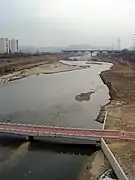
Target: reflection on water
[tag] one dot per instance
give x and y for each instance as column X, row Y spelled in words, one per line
column 43, row 145
column 14, row 155
column 39, row 159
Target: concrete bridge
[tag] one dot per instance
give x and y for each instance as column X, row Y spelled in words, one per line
column 31, row 131
column 115, row 52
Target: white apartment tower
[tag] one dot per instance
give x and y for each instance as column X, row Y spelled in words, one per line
column 4, row 46
column 8, row 46
column 13, row 43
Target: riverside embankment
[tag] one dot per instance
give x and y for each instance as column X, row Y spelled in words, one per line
column 120, row 80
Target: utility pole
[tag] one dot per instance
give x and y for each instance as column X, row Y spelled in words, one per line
column 119, row 43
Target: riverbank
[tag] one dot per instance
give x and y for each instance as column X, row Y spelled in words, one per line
column 96, row 165
column 44, row 68
column 19, row 66
column 120, row 80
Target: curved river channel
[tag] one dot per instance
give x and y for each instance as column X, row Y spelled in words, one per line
column 50, row 100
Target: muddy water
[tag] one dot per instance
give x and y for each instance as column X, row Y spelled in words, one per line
column 41, row 160
column 48, row 100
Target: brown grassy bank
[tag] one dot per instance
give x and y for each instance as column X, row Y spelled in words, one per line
column 14, row 64
column 19, row 67
column 120, row 80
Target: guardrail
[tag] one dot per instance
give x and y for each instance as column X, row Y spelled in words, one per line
column 40, row 130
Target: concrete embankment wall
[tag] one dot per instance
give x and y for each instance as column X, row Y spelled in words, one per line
column 112, row 160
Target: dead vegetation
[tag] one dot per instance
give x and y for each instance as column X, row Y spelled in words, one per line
column 120, row 80
column 9, row 65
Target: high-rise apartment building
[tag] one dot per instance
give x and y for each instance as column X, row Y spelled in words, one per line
column 8, row 46
column 4, row 46
column 14, row 46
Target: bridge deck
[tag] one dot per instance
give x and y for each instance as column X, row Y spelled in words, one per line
column 40, row 130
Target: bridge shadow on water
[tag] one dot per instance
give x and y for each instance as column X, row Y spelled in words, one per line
column 42, row 144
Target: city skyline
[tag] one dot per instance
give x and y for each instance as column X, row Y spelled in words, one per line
column 61, row 22
column 13, row 45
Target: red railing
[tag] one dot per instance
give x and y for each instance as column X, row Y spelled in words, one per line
column 39, row 130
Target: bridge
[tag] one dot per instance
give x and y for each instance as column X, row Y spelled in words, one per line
column 116, row 52
column 30, row 131
column 90, row 50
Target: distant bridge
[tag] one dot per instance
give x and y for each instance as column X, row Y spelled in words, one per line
column 116, row 52
column 31, row 131
column 90, row 50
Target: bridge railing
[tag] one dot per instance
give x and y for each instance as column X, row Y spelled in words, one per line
column 42, row 130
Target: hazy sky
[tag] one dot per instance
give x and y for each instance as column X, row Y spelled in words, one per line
column 65, row 22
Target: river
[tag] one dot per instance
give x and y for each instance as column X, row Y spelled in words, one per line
column 49, row 100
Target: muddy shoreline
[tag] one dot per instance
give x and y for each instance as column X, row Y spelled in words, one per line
column 45, row 68
column 13, row 64
column 97, row 164
column 101, row 115
column 17, row 67
column 121, row 112
column 112, row 92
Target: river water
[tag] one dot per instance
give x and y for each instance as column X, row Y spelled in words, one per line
column 49, row 100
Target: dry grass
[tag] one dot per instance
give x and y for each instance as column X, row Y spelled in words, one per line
column 121, row 114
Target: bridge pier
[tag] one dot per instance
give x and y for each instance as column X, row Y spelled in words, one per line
column 29, row 138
